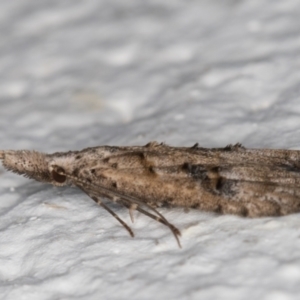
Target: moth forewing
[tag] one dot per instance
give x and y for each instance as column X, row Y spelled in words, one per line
column 233, row 180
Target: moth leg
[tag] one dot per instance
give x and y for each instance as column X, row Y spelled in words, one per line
column 174, row 230
column 129, row 199
column 111, row 194
column 99, row 202
column 133, row 200
column 131, row 209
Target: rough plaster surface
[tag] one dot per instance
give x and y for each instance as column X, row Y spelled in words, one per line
column 83, row 73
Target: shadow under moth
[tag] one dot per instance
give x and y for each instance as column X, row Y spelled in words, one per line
column 230, row 180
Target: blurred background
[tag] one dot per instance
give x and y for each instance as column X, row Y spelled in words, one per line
column 75, row 74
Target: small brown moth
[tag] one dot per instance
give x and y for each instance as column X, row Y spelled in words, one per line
column 230, row 180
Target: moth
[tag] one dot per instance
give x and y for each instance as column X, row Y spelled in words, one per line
column 230, row 180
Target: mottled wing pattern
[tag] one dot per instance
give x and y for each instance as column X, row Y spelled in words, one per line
column 232, row 180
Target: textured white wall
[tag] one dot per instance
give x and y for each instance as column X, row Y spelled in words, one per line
column 75, row 74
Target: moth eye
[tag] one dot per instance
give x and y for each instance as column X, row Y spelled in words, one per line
column 58, row 177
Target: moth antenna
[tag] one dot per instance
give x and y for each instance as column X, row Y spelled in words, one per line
column 98, row 201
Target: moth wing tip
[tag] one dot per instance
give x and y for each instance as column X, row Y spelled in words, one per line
column 2, row 152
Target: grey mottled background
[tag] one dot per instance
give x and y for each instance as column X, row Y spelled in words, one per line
column 84, row 73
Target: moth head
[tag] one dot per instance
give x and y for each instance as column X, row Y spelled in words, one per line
column 31, row 164
column 58, row 175
column 61, row 167
column 36, row 165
